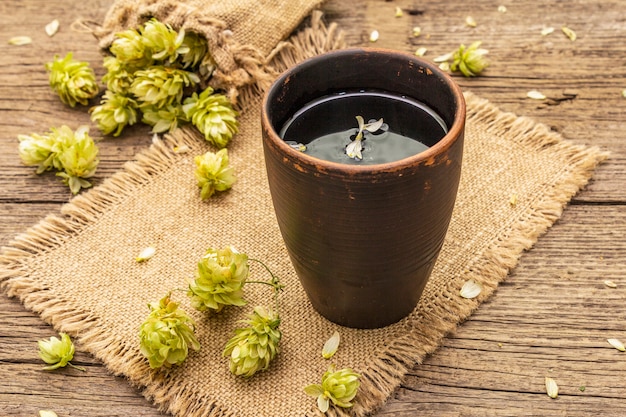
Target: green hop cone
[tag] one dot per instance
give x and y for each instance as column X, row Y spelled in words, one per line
column 213, row 115
column 37, row 150
column 57, row 353
column 219, row 281
column 253, row 347
column 164, row 43
column 115, row 112
column 167, row 334
column 164, row 119
column 74, row 81
column 470, row 61
column 119, row 76
column 128, row 48
column 213, row 173
column 77, row 154
column 339, row 387
column 197, row 49
column 160, row 86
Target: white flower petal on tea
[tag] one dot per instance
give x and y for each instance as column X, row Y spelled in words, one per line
column 610, row 284
column 52, row 27
column 146, row 254
column 20, row 40
column 374, row 35
column 617, row 344
column 470, row 21
column 417, row 31
column 502, row 8
column 331, row 346
column 552, row 389
column 547, row 31
column 471, row 289
column 536, row 95
column 399, row 12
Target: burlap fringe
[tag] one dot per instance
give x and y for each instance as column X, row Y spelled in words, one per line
column 387, row 369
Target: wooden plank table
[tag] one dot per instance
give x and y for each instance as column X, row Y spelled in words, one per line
column 553, row 315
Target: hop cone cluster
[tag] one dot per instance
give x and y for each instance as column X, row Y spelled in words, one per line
column 469, row 60
column 74, row 81
column 253, row 347
column 75, row 154
column 213, row 115
column 219, row 280
column 339, row 387
column 213, row 173
column 152, row 71
column 167, row 334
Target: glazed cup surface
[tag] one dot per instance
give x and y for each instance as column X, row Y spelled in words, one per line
column 363, row 239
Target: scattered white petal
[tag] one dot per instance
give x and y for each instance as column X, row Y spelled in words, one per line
column 374, row 36
column 399, row 12
column 536, row 95
column 617, row 344
column 20, row 40
column 610, row 284
column 181, row 149
column 552, row 389
column 146, row 254
column 471, row 289
column 470, row 21
column 331, row 346
column 47, row 413
column 443, row 58
column 444, row 66
column 513, row 200
column 52, row 27
column 624, row 93
column 569, row 33
column 417, row 31
column 547, row 31
column 155, row 139
column 502, row 9
column 421, row 51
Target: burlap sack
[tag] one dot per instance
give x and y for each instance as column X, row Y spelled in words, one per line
column 241, row 34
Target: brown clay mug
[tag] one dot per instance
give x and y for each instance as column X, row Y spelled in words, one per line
column 363, row 238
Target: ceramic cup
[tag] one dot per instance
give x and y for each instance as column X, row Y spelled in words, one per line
column 363, row 239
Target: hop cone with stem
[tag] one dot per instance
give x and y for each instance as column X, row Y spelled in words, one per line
column 253, row 347
column 213, row 115
column 167, row 334
column 219, row 280
column 469, row 60
column 160, row 85
column 213, row 173
column 115, row 112
column 339, row 387
column 57, row 353
column 74, row 81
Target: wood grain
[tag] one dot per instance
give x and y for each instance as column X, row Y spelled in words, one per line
column 550, row 318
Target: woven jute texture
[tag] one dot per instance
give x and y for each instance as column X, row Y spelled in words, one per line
column 241, row 34
column 77, row 268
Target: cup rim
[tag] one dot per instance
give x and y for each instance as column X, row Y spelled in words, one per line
column 455, row 131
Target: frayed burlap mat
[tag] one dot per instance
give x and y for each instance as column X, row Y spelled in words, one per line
column 77, row 269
